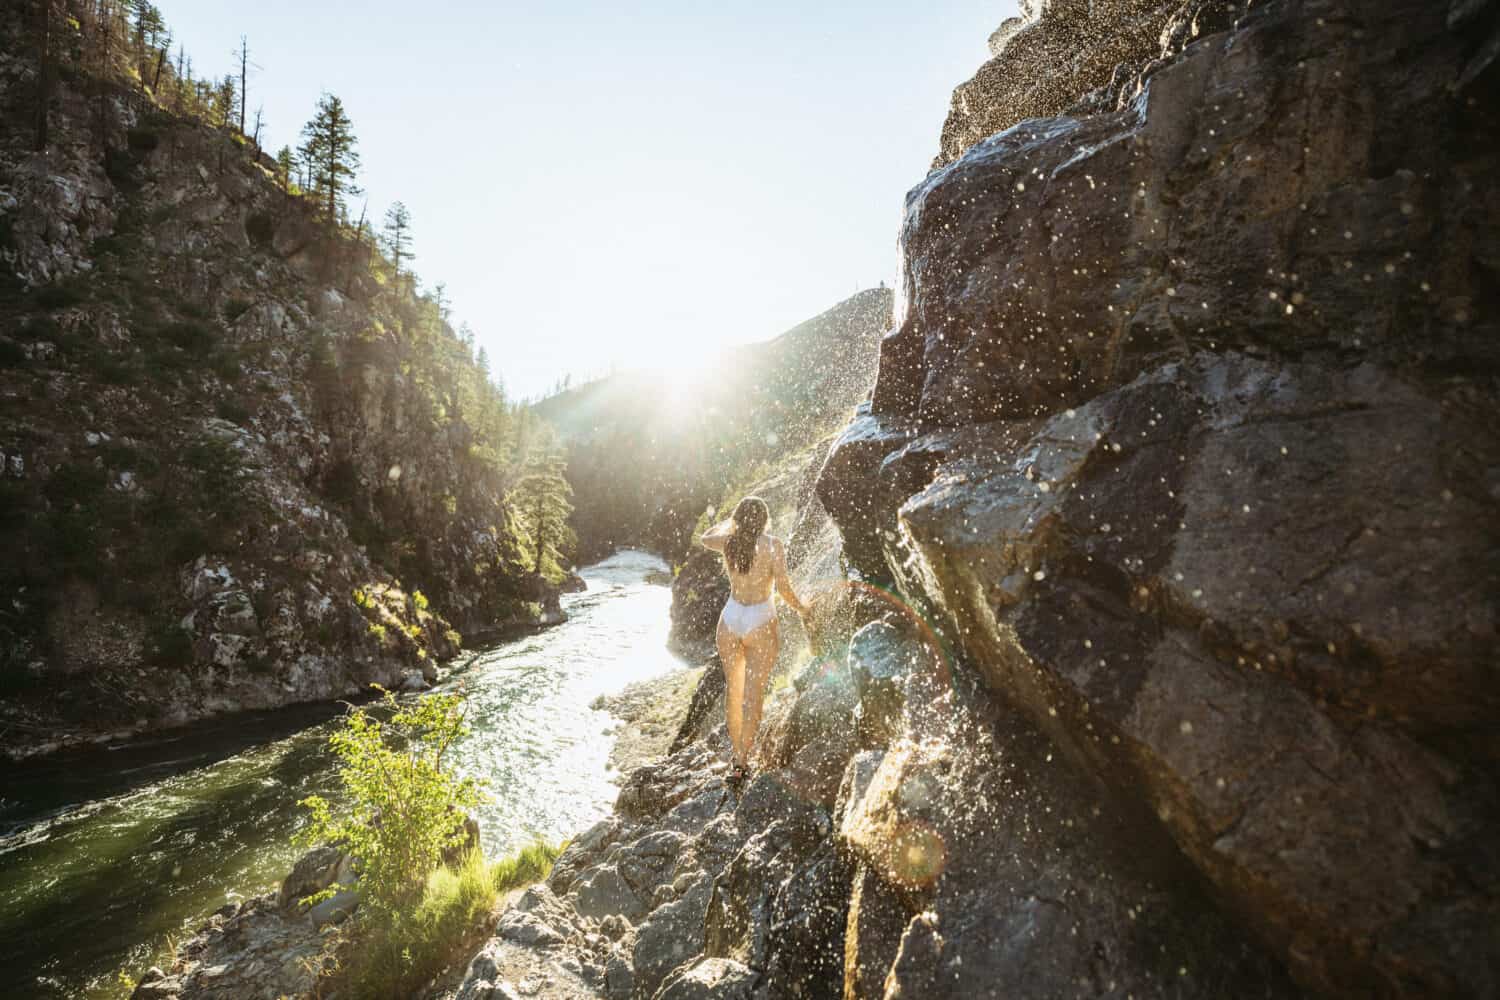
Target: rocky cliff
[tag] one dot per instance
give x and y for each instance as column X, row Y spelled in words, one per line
column 1161, row 668
column 241, row 464
column 1185, row 439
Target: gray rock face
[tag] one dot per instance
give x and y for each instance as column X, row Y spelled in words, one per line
column 672, row 936
column 1187, row 440
column 711, row 979
column 253, row 949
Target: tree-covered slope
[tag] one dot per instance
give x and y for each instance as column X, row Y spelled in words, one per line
column 647, row 452
column 242, row 462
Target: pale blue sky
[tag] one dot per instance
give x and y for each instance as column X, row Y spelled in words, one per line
column 600, row 182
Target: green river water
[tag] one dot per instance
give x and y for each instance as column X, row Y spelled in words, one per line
column 107, row 855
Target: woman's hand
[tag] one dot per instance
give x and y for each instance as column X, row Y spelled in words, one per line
column 716, row 537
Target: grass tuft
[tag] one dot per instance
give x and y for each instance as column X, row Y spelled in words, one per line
column 401, row 955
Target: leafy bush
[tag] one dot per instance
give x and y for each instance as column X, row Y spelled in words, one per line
column 406, row 805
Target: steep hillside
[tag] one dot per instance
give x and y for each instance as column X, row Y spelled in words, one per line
column 243, row 464
column 647, row 452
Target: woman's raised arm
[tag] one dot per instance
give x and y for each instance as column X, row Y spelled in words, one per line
column 717, row 537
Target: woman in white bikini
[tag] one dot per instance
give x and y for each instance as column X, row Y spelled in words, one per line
column 748, row 643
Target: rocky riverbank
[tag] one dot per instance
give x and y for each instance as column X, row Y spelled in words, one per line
column 651, row 714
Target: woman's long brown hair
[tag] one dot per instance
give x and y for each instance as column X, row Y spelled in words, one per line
column 750, row 518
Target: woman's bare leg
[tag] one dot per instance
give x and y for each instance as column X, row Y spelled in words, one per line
column 761, row 647
column 732, row 659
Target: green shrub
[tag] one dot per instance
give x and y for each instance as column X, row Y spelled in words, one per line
column 233, row 410
column 115, row 371
column 260, row 228
column 219, row 467
column 142, row 140
column 190, row 336
column 12, row 355
column 75, row 483
column 171, row 645
column 227, row 366
column 58, row 295
column 405, row 803
column 39, row 328
column 235, row 308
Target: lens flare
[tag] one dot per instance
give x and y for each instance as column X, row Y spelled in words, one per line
column 917, row 854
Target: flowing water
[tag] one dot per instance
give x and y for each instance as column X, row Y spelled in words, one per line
column 104, row 855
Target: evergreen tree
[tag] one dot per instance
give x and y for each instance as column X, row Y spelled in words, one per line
column 285, row 162
column 541, row 499
column 397, row 237
column 223, row 108
column 328, row 149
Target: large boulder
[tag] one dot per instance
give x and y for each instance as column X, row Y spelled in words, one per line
column 990, row 868
column 712, row 979
column 672, row 936
column 1185, row 440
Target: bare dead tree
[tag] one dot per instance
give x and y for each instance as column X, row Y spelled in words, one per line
column 244, row 78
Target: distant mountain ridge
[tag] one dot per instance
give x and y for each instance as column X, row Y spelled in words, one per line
column 649, row 451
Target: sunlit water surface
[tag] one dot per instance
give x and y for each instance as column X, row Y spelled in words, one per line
column 105, row 854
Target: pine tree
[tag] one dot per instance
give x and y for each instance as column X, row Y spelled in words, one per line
column 397, row 237
column 328, row 149
column 224, row 103
column 285, row 163
column 541, row 499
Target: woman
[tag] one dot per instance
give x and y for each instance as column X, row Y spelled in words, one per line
column 748, row 643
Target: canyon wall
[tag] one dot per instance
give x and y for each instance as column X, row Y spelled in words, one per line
column 1185, row 437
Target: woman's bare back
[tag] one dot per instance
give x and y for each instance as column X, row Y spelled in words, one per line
column 756, row 586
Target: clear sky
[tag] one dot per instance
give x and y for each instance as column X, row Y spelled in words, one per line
column 606, row 182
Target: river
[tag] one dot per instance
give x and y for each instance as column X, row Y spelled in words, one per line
column 106, row 855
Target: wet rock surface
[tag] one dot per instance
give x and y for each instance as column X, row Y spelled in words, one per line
column 1185, row 440
column 964, row 820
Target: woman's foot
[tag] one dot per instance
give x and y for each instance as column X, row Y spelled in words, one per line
column 738, row 775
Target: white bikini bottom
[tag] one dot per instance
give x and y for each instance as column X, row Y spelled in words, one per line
column 743, row 619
